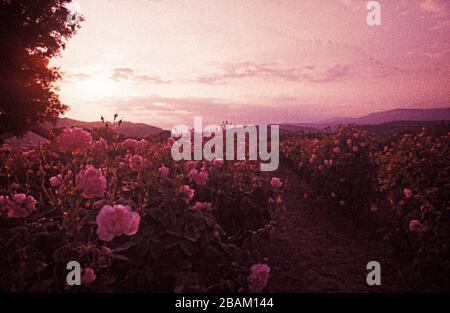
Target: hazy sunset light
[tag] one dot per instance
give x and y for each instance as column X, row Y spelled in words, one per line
column 234, row 150
column 291, row 61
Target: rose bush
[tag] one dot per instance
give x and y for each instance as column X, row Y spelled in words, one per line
column 337, row 171
column 135, row 219
column 397, row 183
column 413, row 175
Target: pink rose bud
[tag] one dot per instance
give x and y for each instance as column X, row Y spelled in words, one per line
column 164, row 171
column 106, row 251
column 202, row 205
column 408, row 193
column 258, row 278
column 276, row 182
column 186, row 192
column 416, row 226
column 56, row 181
column 88, row 275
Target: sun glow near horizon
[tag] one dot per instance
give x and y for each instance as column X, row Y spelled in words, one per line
column 254, row 61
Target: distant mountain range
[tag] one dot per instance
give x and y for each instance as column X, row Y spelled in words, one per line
column 394, row 115
column 141, row 130
column 391, row 117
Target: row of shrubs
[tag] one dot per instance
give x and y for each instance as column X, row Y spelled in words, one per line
column 399, row 184
column 131, row 216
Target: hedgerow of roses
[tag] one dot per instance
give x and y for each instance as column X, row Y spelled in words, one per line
column 401, row 179
column 413, row 172
column 339, row 165
column 134, row 218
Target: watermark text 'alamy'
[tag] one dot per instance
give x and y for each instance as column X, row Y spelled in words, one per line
column 228, row 142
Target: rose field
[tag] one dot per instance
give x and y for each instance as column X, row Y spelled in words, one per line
column 138, row 221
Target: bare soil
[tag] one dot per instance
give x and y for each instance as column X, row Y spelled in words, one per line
column 313, row 249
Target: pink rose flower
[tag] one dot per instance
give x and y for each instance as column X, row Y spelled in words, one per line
column 56, row 181
column 91, row 182
column 259, row 277
column 328, row 162
column 190, row 165
column 276, row 182
column 202, row 205
column 408, row 193
column 137, row 163
column 315, row 142
column 164, row 171
column 349, row 142
column 336, row 150
column 100, row 145
column 20, row 205
column 140, row 145
column 129, row 144
column 74, row 140
column 88, row 275
column 170, row 141
column 200, row 178
column 416, row 226
column 117, row 220
column 186, row 192
column 355, row 149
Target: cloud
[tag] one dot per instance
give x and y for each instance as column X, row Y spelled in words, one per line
column 441, row 25
column 354, row 5
column 439, row 54
column 438, row 7
column 167, row 111
column 75, row 77
column 268, row 71
column 129, row 74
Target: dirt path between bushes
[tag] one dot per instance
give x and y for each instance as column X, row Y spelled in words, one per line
column 313, row 249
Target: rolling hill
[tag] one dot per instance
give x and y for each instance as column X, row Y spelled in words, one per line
column 393, row 116
column 128, row 129
column 397, row 118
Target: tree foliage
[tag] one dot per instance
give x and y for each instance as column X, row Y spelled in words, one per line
column 31, row 33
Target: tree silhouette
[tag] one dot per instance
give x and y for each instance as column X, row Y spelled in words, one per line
column 31, row 33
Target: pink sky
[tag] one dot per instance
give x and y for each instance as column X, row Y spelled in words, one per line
column 164, row 61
